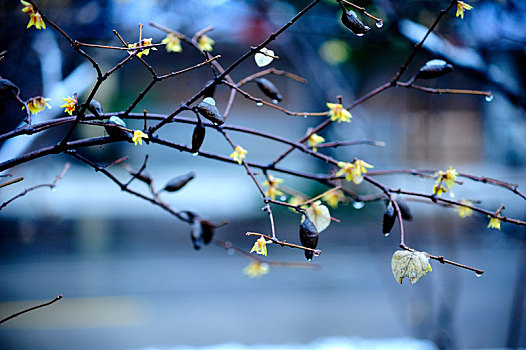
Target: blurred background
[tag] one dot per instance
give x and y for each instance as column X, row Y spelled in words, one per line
column 127, row 270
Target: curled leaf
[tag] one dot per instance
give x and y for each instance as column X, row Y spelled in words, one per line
column 319, row 215
column 269, row 89
column 308, row 236
column 179, row 182
column 207, row 108
column 411, row 264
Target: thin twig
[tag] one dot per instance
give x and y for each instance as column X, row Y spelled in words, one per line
column 31, row 309
column 284, row 243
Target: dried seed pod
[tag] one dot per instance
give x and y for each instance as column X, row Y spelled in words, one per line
column 198, row 136
column 269, row 89
column 308, row 236
column 404, row 209
column 207, row 108
column 178, row 182
column 196, row 230
column 433, row 69
column 95, row 107
column 113, row 128
column 210, row 91
column 207, row 231
column 388, row 219
column 351, row 21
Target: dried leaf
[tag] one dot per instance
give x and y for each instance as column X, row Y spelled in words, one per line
column 269, row 89
column 411, row 264
column 198, row 136
column 207, row 108
column 261, row 57
column 319, row 215
column 389, row 219
column 351, row 21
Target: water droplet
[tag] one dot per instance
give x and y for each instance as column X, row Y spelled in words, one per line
column 309, row 259
column 489, row 98
column 358, row 205
column 259, row 104
column 387, row 234
column 361, row 34
column 230, row 251
column 195, row 154
column 379, row 23
column 53, row 189
column 478, row 274
column 282, row 198
column 275, row 102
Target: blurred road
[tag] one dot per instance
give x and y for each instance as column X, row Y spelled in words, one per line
column 171, row 295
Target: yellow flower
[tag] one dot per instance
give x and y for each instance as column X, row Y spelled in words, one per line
column 448, row 177
column 461, row 6
column 143, row 42
column 256, row 269
column 314, row 140
column 333, row 198
column 35, row 18
column 260, row 247
column 494, row 223
column 37, row 104
column 239, row 154
column 173, row 43
column 70, row 105
column 464, row 211
column 338, row 113
column 353, row 171
column 205, row 43
column 272, row 190
column 138, row 135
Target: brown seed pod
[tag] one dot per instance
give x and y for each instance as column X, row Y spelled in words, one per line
column 207, row 231
column 308, row 236
column 179, row 182
column 143, row 176
column 405, row 211
column 351, row 21
column 198, row 136
column 114, row 128
column 269, row 89
column 388, row 219
column 95, row 107
column 207, row 108
column 433, row 69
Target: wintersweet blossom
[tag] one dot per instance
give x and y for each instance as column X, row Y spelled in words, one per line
column 333, row 198
column 143, row 42
column 353, row 171
column 338, row 113
column 138, row 135
column 173, row 43
column 70, row 105
column 239, row 154
column 205, row 43
column 494, row 223
column 314, row 140
column 256, row 269
column 260, row 246
column 272, row 189
column 448, row 177
column 37, row 104
column 464, row 211
column 461, row 6
column 35, row 18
